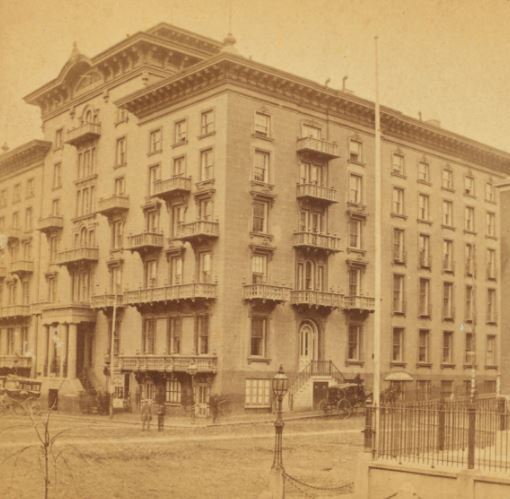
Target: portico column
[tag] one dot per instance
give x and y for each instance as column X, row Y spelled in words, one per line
column 72, row 344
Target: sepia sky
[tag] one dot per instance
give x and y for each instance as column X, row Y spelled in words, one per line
column 449, row 59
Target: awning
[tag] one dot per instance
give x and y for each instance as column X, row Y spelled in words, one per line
column 398, row 376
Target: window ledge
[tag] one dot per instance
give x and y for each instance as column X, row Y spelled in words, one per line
column 359, row 251
column 83, row 217
column 423, row 221
column 152, row 153
column 448, row 271
column 398, row 312
column 424, row 364
column 356, row 162
column 449, row 319
column 447, row 365
column 469, row 195
column 424, row 182
column 492, row 323
column 469, row 366
column 265, row 235
column 398, row 174
column 203, row 136
column 491, row 366
column 180, row 143
column 120, row 165
column 260, row 360
column 449, row 189
column 449, row 227
column 398, row 262
column 399, row 215
column 471, row 232
column 263, row 137
column 491, row 237
column 353, row 362
column 398, row 363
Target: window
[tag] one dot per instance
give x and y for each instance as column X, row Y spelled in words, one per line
column 354, row 349
column 469, row 219
column 205, row 209
column 173, row 392
column 398, row 201
column 175, row 267
column 424, row 389
column 447, row 255
column 313, row 173
column 447, row 357
column 397, row 164
column 469, row 185
column 15, row 220
column 398, row 245
column 121, row 151
column 469, row 312
column 85, row 200
column 119, row 186
column 115, row 279
column 447, row 213
column 257, row 393
column 25, row 292
column 423, row 207
column 398, row 294
column 154, row 176
column 424, row 251
column 30, row 188
column 149, row 336
column 311, row 275
column 355, row 233
column 59, row 142
column 446, row 388
column 206, row 165
column 261, row 166
column 312, row 131
column 260, row 215
column 491, row 224
column 258, row 268
column 179, row 166
column 258, row 336
column 355, row 151
column 448, row 301
column 204, row 266
column 490, row 350
column 53, row 247
column 3, row 198
column 11, row 341
column 423, row 345
column 176, row 219
column 489, row 192
column 447, row 178
column 423, row 171
column 117, row 234
column 180, row 132
column 16, row 193
column 491, row 305
column 262, row 124
column 470, row 259
column 116, row 336
column 86, row 161
column 122, row 116
column 207, row 122
column 155, row 141
column 28, row 218
column 469, row 349
column 150, row 268
column 174, row 335
column 424, row 298
column 80, row 282
column 355, row 189
column 355, row 275
column 202, row 328
column 397, row 353
column 57, row 175
column 491, row 263
column 2, row 224
column 152, row 221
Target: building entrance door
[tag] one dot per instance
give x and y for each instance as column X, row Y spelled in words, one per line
column 202, row 393
column 308, row 344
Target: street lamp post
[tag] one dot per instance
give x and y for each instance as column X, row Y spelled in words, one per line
column 280, row 386
column 192, row 370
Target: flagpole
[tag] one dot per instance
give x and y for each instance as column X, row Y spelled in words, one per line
column 377, row 252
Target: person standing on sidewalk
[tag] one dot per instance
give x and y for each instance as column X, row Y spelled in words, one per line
column 146, row 414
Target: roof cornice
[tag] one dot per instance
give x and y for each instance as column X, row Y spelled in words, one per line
column 227, row 68
column 24, row 155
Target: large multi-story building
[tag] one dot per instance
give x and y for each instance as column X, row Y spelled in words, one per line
column 222, row 211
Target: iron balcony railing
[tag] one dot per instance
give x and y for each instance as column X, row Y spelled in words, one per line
column 174, row 292
column 112, row 205
column 317, row 240
column 11, row 311
column 198, row 229
column 52, row 223
column 168, row 363
column 15, row 361
column 357, row 302
column 318, row 147
column 106, row 301
column 145, row 240
column 83, row 133
column 314, row 191
column 266, row 292
column 78, row 255
column 311, row 298
column 173, row 185
column 22, row 266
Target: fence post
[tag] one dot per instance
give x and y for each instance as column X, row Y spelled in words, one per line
column 441, row 424
column 503, row 414
column 471, row 435
column 368, row 431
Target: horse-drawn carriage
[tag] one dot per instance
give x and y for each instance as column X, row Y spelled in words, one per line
column 343, row 399
column 19, row 395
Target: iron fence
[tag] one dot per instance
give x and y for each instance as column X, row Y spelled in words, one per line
column 446, row 432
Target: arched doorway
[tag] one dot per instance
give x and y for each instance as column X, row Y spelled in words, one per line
column 308, row 343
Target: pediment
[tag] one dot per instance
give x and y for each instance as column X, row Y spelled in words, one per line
column 88, row 81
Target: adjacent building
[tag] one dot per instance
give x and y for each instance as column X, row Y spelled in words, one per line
column 216, row 217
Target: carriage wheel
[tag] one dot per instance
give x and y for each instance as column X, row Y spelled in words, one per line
column 344, row 408
column 324, row 406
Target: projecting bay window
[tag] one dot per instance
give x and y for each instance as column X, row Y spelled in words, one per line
column 490, row 351
column 150, row 273
column 447, row 213
column 398, row 294
column 121, row 151
column 258, row 337
column 423, row 346
column 447, row 350
column 155, row 141
column 491, row 306
column 397, row 352
column 448, row 301
column 204, row 266
column 207, row 122
column 423, row 208
column 260, row 216
column 424, row 308
column 491, row 263
column 149, row 336
column 398, row 164
column 355, row 343
column 355, row 233
column 469, row 219
column 490, row 224
column 174, row 335
column 206, row 165
column 261, row 164
column 262, row 124
column 398, row 245
column 447, row 255
column 398, row 202
column 424, row 251
column 180, row 132
column 355, row 189
column 175, row 268
column 258, row 268
column 202, row 334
